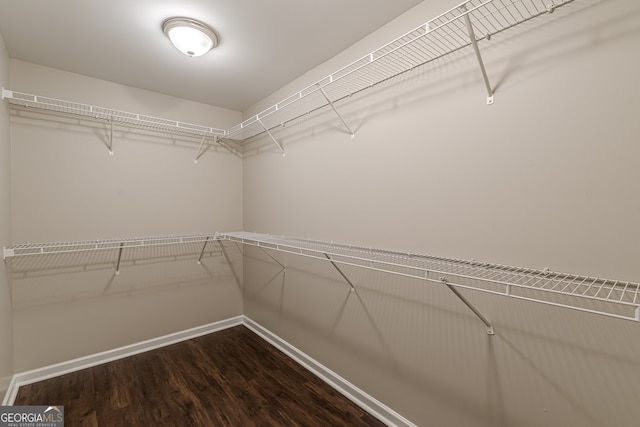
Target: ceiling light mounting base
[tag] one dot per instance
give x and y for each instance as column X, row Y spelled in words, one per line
column 191, row 37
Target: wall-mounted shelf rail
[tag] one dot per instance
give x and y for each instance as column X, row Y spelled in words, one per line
column 109, row 116
column 465, row 25
column 619, row 299
column 118, row 245
column 613, row 298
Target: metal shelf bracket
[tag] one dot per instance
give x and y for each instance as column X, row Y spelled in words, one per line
column 203, row 248
column 474, row 43
column 353, row 289
column 466, row 302
column 273, row 258
column 200, row 152
column 272, row 138
column 119, row 258
column 224, row 252
column 111, row 137
column 344, row 123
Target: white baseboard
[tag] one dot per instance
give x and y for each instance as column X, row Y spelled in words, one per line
column 353, row 393
column 5, row 384
column 46, row 372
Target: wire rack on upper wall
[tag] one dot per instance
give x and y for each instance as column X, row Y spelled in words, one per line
column 108, row 115
column 458, row 28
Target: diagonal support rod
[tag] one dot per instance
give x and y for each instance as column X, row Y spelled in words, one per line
column 200, row 153
column 233, row 271
column 353, row 135
column 273, row 258
column 202, row 251
column 272, row 137
column 119, row 258
column 111, row 137
column 474, row 43
column 353, row 289
column 471, row 307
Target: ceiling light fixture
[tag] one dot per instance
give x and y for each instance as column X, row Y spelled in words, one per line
column 191, row 37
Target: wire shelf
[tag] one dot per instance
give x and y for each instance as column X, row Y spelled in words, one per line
column 445, row 34
column 614, row 298
column 30, row 249
column 108, row 115
column 441, row 36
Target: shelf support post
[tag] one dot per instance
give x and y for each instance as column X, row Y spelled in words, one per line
column 638, row 313
column 119, row 258
column 272, row 138
column 203, row 247
column 273, row 258
column 111, row 137
column 199, row 153
column 224, row 252
column 474, row 43
column 344, row 123
column 353, row 289
column 466, row 302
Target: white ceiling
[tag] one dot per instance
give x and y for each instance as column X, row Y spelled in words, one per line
column 263, row 44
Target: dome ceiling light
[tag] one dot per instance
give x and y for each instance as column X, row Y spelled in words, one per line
column 191, row 37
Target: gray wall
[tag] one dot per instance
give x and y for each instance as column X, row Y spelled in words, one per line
column 6, row 314
column 67, row 188
column 545, row 177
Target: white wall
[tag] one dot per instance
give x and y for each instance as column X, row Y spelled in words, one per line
column 66, row 188
column 6, row 311
column 545, row 177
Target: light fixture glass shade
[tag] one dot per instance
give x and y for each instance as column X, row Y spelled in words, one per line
column 190, row 37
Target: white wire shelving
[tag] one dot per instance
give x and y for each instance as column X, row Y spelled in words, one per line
column 618, row 299
column 109, row 115
column 460, row 27
column 115, row 245
column 27, row 101
column 463, row 26
column 614, row 298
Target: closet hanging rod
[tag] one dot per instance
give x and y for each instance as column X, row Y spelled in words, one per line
column 613, row 298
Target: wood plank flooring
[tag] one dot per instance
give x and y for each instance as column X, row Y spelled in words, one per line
column 229, row 378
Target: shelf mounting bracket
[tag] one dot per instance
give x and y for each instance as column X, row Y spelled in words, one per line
column 111, row 136
column 353, row 289
column 224, row 252
column 272, row 138
column 474, row 43
column 344, row 123
column 273, row 258
column 466, row 302
column 203, row 248
column 200, row 153
column 119, row 258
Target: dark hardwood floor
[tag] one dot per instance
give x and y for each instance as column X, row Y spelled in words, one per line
column 229, row 378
